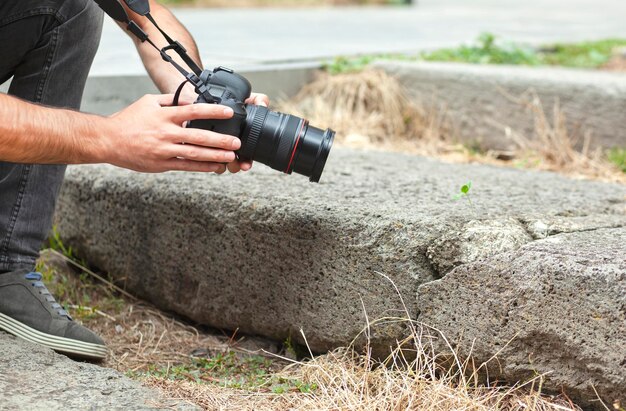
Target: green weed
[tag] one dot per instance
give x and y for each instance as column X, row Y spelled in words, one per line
column 617, row 156
column 589, row 54
column 489, row 49
column 342, row 64
column 486, row 50
column 230, row 370
column 464, row 192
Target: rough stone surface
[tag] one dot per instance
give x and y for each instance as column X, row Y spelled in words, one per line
column 474, row 240
column 36, row 378
column 271, row 254
column 484, row 100
column 556, row 306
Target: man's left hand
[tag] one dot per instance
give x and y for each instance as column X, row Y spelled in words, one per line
column 188, row 96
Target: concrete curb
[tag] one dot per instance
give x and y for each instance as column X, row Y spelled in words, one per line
column 271, row 254
column 480, row 99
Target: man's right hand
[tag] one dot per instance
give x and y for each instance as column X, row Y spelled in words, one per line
column 149, row 136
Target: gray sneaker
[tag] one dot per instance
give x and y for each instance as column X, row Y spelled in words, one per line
column 29, row 311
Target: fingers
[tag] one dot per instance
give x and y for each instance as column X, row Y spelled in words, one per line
column 237, row 166
column 234, row 167
column 259, row 99
column 198, row 153
column 164, row 100
column 245, row 165
column 207, row 138
column 179, row 164
column 189, row 112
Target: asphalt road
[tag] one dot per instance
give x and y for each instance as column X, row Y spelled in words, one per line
column 244, row 37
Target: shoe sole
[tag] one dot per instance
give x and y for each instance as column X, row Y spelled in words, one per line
column 60, row 344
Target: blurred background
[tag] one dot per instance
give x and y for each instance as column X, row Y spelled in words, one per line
column 241, row 33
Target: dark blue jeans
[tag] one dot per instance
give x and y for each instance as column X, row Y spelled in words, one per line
column 47, row 46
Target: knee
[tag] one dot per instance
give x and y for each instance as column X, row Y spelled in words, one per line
column 85, row 18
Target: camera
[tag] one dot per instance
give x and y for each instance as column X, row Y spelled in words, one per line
column 282, row 141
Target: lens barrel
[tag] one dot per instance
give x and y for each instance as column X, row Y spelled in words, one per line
column 285, row 142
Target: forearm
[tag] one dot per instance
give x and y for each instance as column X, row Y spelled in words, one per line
column 31, row 133
column 166, row 78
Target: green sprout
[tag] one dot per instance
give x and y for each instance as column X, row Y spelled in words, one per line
column 465, row 193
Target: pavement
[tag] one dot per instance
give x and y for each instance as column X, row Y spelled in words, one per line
column 33, row 377
column 242, row 38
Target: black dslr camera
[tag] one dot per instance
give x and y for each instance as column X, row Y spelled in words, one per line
column 284, row 142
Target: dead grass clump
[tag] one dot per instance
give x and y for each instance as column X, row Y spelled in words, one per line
column 552, row 145
column 352, row 381
column 370, row 109
column 347, row 379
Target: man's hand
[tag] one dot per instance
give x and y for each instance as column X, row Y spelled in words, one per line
column 259, row 100
column 150, row 136
column 188, row 96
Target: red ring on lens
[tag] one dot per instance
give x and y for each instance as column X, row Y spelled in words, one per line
column 295, row 146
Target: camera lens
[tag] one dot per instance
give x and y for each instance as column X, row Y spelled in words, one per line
column 285, row 143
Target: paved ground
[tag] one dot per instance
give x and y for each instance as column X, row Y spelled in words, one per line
column 35, row 378
column 244, row 37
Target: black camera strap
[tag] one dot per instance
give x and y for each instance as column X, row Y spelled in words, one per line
column 177, row 93
column 177, row 47
column 142, row 8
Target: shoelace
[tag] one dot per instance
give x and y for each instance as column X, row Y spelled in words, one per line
column 43, row 290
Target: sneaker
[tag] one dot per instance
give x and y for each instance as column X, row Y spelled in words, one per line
column 29, row 311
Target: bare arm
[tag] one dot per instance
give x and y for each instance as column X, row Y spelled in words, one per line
column 146, row 136
column 37, row 134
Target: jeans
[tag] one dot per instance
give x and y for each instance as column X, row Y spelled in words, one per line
column 47, row 46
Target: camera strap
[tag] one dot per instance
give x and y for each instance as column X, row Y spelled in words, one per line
column 142, row 8
column 177, row 47
column 177, row 94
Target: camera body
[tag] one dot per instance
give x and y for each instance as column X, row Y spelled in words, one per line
column 284, row 142
column 224, row 86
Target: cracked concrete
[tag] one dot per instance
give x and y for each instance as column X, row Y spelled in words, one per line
column 554, row 307
column 476, row 239
column 271, row 254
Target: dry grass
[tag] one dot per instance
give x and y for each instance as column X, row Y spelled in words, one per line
column 155, row 347
column 616, row 63
column 370, row 110
column 347, row 380
column 552, row 146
